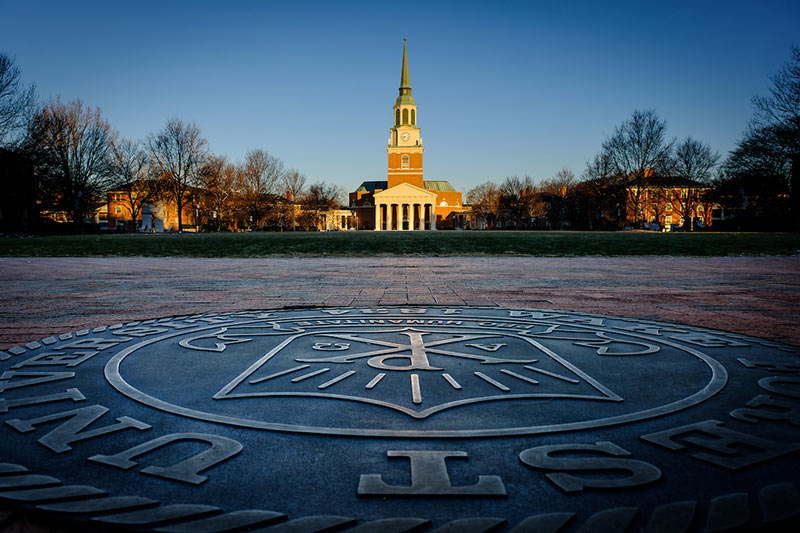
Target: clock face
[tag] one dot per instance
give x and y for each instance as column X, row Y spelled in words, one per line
column 404, row 136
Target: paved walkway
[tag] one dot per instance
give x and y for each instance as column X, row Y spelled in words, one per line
column 759, row 296
column 40, row 297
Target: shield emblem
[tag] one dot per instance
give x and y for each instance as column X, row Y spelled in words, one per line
column 415, row 371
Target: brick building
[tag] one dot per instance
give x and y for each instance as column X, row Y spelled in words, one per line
column 405, row 201
column 152, row 215
column 671, row 203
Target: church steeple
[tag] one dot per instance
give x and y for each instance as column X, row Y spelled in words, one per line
column 405, row 145
column 405, row 97
column 404, row 82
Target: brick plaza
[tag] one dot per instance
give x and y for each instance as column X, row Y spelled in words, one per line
column 757, row 296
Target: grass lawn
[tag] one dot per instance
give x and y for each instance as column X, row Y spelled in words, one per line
column 524, row 243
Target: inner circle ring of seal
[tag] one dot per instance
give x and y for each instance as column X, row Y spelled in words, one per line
column 114, row 376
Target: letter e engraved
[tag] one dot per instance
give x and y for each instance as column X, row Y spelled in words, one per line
column 92, row 344
column 60, row 438
column 429, row 477
column 70, row 394
column 542, row 458
column 535, row 314
column 723, row 442
column 57, row 359
column 707, row 340
column 778, row 410
column 36, row 378
column 187, row 471
column 772, row 366
column 140, row 331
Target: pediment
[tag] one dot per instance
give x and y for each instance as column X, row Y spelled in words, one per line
column 405, row 192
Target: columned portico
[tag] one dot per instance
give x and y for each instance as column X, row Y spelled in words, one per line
column 404, row 215
column 405, row 207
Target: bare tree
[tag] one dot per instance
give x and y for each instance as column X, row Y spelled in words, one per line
column 519, row 198
column 693, row 165
column 562, row 181
column 322, row 196
column 484, row 200
column 637, row 150
column 259, row 177
column 604, row 190
column 695, row 161
column 560, row 189
column 178, row 154
column 294, row 184
column 17, row 103
column 71, row 146
column 220, row 181
column 766, row 162
column 131, row 174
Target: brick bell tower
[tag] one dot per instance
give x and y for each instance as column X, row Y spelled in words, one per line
column 405, row 145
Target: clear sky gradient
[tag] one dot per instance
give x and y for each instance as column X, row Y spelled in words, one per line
column 503, row 88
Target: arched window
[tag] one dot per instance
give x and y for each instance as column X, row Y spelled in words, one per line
column 397, row 117
column 404, row 161
column 405, row 116
column 413, row 117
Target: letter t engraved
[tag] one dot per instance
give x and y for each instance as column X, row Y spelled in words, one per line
column 429, row 477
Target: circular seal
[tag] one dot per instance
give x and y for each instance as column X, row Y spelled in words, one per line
column 399, row 419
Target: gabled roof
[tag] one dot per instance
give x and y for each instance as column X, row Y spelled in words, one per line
column 405, row 188
column 371, row 186
column 438, row 185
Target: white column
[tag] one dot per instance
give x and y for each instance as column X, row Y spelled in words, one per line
column 389, row 217
column 377, row 217
column 433, row 216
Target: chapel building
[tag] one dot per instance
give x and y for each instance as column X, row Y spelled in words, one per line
column 405, row 201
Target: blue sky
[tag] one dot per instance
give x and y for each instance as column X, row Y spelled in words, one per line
column 505, row 88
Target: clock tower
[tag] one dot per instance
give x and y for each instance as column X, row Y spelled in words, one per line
column 405, row 145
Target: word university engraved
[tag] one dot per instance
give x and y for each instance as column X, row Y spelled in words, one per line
column 400, row 419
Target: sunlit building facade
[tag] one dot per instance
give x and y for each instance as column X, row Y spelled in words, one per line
column 405, row 201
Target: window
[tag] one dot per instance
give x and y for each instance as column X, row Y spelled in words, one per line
column 413, row 117
column 405, row 116
column 404, row 161
column 668, row 220
column 118, row 210
column 397, row 118
column 668, row 208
